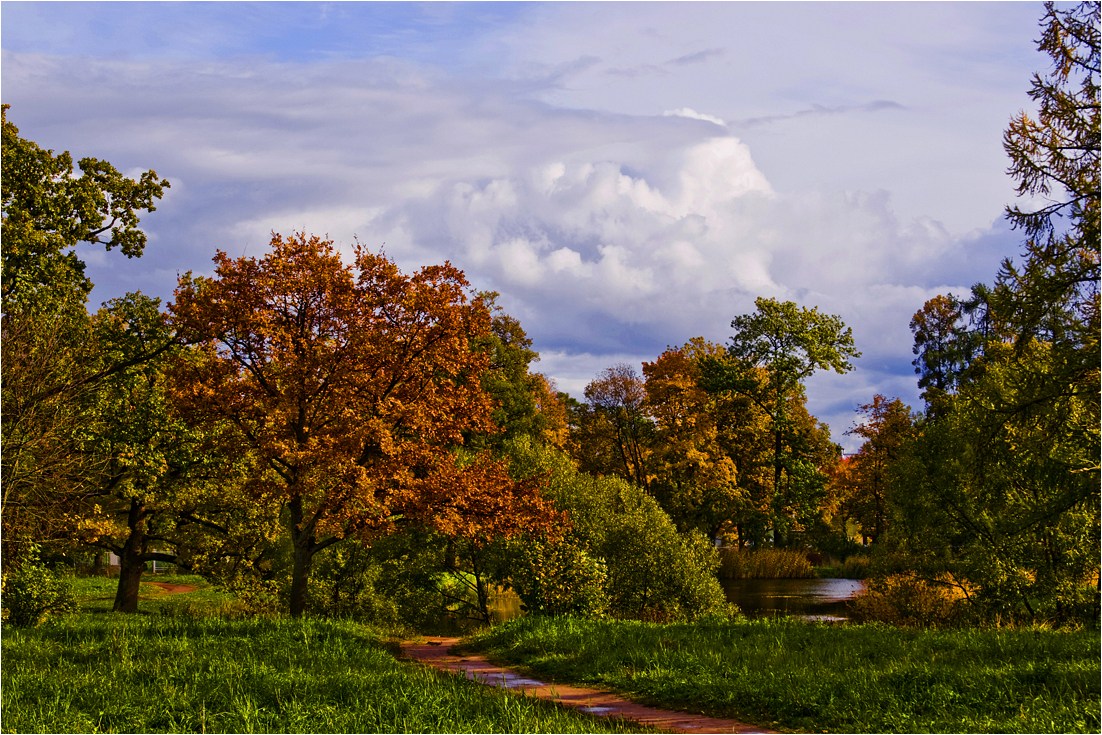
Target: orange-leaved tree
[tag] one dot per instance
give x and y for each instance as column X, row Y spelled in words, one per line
column 354, row 386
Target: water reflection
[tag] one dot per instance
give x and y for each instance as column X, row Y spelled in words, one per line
column 816, row 599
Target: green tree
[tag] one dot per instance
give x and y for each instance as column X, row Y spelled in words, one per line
column 616, row 538
column 48, row 210
column 773, row 351
column 524, row 401
column 50, row 364
column 1004, row 477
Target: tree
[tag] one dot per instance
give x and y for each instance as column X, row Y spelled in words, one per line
column 1008, row 464
column 773, row 351
column 525, row 401
column 1054, row 296
column 48, row 211
column 354, row 386
column 50, row 363
column 695, row 478
column 618, row 426
column 159, row 484
column 887, row 428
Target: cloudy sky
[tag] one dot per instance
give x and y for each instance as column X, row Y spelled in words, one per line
column 627, row 175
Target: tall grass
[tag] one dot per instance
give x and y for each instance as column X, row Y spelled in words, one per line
column 764, row 564
column 818, row 678
column 174, row 671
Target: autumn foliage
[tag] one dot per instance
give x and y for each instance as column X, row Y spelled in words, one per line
column 353, row 387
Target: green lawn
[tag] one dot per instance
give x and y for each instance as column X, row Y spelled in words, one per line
column 822, row 678
column 173, row 669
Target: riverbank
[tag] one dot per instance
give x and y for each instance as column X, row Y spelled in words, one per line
column 792, row 675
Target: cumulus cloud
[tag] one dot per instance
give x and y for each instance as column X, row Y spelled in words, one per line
column 600, row 187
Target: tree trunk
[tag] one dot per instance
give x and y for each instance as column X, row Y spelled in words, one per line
column 131, row 563
column 130, row 582
column 302, row 541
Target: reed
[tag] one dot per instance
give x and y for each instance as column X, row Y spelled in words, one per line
column 764, row 564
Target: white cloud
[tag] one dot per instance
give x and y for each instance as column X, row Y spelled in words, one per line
column 577, row 173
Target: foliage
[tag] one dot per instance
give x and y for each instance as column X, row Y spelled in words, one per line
column 50, row 360
column 352, row 385
column 653, row 572
column 910, row 600
column 32, row 594
column 887, row 427
column 561, row 579
column 791, row 676
column 47, row 211
column 1001, row 485
column 772, row 352
column 696, row 479
column 613, row 432
column 525, row 402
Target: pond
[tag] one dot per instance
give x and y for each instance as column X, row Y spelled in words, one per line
column 814, row 599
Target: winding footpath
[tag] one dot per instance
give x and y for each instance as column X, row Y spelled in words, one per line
column 436, row 652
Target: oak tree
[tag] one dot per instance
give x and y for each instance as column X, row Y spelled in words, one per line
column 353, row 385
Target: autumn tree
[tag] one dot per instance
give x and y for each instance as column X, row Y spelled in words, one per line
column 613, row 428
column 353, row 385
column 695, row 478
column 774, row 350
column 887, row 427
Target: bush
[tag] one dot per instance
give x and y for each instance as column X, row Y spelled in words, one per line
column 561, row 579
column 653, row 572
column 910, row 600
column 33, row 594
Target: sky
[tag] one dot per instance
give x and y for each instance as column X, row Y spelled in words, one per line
column 627, row 176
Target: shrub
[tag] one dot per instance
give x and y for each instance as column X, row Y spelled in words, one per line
column 910, row 600
column 561, row 579
column 653, row 572
column 32, row 594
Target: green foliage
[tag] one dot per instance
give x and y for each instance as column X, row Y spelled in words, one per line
column 560, row 579
column 792, row 676
column 653, row 572
column 764, row 564
column 1001, row 487
column 32, row 594
column 772, row 352
column 47, row 211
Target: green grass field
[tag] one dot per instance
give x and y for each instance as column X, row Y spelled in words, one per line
column 817, row 678
column 173, row 668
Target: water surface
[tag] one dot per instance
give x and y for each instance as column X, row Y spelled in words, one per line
column 817, row 599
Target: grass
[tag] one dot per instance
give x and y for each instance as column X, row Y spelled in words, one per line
column 172, row 669
column 854, row 678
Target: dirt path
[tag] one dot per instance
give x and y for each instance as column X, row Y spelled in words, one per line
column 435, row 652
column 173, row 589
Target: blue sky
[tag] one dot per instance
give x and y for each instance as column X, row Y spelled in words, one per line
column 627, row 175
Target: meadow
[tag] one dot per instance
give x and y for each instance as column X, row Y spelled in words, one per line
column 791, row 675
column 200, row 661
column 196, row 662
